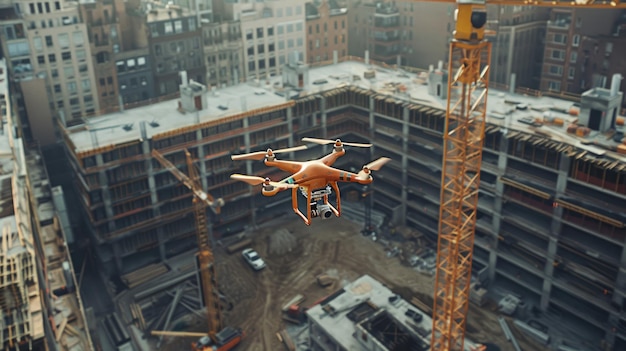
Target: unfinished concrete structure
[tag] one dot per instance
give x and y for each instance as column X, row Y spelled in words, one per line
column 41, row 309
column 550, row 224
column 366, row 315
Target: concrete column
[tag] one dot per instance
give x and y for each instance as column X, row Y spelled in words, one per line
column 117, row 256
column 405, row 162
column 548, row 273
column 335, row 57
column 367, row 57
column 106, row 195
column 59, row 204
column 324, row 117
column 154, row 199
column 496, row 219
column 202, row 165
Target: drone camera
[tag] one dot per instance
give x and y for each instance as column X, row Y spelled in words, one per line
column 324, row 211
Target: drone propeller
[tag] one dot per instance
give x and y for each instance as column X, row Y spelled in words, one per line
column 372, row 166
column 337, row 142
column 253, row 180
column 259, row 155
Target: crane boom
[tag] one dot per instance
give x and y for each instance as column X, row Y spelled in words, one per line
column 205, row 256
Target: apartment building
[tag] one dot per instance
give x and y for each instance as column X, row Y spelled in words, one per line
column 103, row 32
column 519, row 29
column 564, row 64
column 133, row 69
column 374, row 26
column 223, row 49
column 271, row 30
column 175, row 42
column 550, row 227
column 327, row 30
column 49, row 56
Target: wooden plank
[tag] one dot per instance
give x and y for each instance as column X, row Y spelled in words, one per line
column 61, row 328
column 289, row 345
column 238, row 246
column 296, row 300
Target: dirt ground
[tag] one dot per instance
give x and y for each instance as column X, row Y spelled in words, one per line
column 295, row 254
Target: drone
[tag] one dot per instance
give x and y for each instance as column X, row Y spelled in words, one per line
column 315, row 179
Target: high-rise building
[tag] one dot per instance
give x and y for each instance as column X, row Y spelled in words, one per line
column 50, row 57
column 517, row 45
column 374, row 26
column 271, row 30
column 223, row 49
column 326, row 30
column 565, row 64
column 175, row 43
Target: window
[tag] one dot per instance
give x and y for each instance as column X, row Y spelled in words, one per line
column 57, row 88
column 251, row 66
column 80, row 55
column 71, row 87
column 54, row 73
column 281, row 45
column 192, row 24
column 168, row 27
column 558, row 54
column 608, row 49
column 299, row 10
column 310, row 44
column 336, row 24
column 343, row 22
column 575, row 40
column 290, row 28
column 259, row 32
column 85, row 85
column 310, row 29
column 82, row 68
column 248, row 34
column 290, row 43
column 120, row 66
column 573, row 56
column 553, row 85
column 52, row 58
column 317, row 28
column 270, row 47
column 299, row 27
column 64, row 40
column 261, row 64
column 49, row 42
column 280, row 29
column 556, row 70
column 260, row 49
column 41, row 59
column 178, row 26
column 270, row 31
column 272, row 62
column 141, row 61
column 560, row 38
column 289, row 11
column 38, row 44
column 251, row 51
column 74, row 101
column 300, row 42
column 18, row 49
column 66, row 56
column 68, row 72
column 87, row 99
column 571, row 73
column 279, row 13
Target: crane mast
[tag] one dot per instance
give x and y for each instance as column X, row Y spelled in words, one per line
column 468, row 81
column 201, row 200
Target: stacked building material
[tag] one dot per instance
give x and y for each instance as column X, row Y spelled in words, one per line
column 144, row 274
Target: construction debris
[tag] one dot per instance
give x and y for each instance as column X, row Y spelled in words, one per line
column 281, row 242
column 284, row 337
column 238, row 246
column 296, row 300
column 324, row 280
column 144, row 274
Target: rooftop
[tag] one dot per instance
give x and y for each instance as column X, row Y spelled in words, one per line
column 367, row 306
column 501, row 107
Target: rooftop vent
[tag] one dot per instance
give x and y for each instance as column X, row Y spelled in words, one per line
column 154, row 124
column 128, row 127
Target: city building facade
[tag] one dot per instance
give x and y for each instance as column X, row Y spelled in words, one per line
column 271, row 30
column 327, row 30
column 223, row 49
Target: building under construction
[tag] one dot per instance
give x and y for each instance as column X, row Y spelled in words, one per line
column 551, row 222
column 40, row 306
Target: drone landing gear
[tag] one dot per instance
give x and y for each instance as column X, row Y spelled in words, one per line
column 317, row 203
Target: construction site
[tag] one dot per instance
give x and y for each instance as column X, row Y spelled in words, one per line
column 550, row 229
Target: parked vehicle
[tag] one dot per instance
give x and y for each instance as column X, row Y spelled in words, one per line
column 254, row 260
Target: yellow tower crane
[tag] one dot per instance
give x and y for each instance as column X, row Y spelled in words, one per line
column 468, row 81
column 208, row 279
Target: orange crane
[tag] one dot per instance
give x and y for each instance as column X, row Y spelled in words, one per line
column 223, row 338
column 468, row 81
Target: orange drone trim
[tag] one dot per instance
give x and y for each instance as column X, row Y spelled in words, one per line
column 315, row 179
